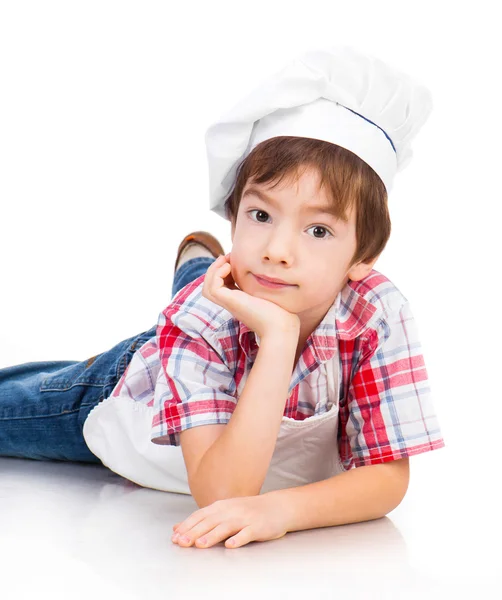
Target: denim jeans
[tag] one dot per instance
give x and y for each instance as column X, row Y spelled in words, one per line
column 43, row 405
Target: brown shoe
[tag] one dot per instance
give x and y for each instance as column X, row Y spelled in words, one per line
column 204, row 238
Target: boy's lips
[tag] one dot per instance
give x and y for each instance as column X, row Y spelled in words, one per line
column 272, row 279
column 272, row 284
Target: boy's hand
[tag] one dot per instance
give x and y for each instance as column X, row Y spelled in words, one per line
column 262, row 316
column 236, row 521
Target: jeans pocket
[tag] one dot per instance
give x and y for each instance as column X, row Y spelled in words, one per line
column 72, row 375
column 103, row 370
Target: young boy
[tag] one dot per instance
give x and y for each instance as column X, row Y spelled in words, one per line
column 278, row 406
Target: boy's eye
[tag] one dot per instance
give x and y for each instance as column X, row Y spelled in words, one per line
column 256, row 210
column 259, row 211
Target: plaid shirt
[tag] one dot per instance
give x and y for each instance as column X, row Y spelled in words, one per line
column 195, row 368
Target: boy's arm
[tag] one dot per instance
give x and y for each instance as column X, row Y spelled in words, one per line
column 361, row 494
column 237, row 462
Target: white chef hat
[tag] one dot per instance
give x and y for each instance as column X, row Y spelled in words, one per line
column 336, row 94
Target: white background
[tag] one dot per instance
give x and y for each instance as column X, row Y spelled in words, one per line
column 103, row 110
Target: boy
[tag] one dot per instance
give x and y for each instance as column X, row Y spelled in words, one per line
column 275, row 392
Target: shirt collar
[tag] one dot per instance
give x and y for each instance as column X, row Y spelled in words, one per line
column 349, row 316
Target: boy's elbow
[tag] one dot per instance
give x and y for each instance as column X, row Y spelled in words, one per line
column 399, row 475
column 204, row 498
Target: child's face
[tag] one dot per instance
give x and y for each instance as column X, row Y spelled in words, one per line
column 311, row 250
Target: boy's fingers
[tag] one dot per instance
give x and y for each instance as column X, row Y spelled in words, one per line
column 221, row 268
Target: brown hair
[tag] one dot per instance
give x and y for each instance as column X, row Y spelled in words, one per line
column 349, row 179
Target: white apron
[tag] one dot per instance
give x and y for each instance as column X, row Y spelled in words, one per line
column 117, row 430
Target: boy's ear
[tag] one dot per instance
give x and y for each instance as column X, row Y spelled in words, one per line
column 361, row 270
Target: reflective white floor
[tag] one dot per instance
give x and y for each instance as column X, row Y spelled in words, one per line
column 81, row 531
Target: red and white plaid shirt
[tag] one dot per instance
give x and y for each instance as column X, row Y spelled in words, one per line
column 195, row 368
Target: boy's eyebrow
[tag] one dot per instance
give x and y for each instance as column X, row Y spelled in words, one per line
column 318, row 208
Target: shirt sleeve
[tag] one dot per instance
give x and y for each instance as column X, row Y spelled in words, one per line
column 195, row 386
column 389, row 412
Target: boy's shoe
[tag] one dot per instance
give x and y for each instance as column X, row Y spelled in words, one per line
column 204, row 240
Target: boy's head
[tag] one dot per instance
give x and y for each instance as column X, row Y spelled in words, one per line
column 316, row 252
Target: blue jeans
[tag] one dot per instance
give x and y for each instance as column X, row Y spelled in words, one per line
column 43, row 405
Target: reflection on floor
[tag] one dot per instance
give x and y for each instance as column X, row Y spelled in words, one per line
column 74, row 530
